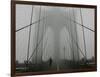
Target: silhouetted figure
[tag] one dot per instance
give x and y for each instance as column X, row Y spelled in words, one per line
column 50, row 62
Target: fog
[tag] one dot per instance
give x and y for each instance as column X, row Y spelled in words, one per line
column 56, row 33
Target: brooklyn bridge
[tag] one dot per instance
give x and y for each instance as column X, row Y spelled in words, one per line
column 54, row 38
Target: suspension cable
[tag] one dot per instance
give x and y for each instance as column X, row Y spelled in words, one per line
column 83, row 33
column 29, row 35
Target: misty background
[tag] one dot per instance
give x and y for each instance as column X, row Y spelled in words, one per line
column 58, row 31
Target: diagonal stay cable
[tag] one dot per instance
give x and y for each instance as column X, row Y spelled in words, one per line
column 36, row 47
column 75, row 42
column 72, row 39
column 77, row 45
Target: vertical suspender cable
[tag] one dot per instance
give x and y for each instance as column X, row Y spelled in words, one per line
column 76, row 34
column 43, row 32
column 67, row 27
column 44, row 48
column 71, row 35
column 83, row 34
column 38, row 33
column 42, row 36
column 29, row 35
